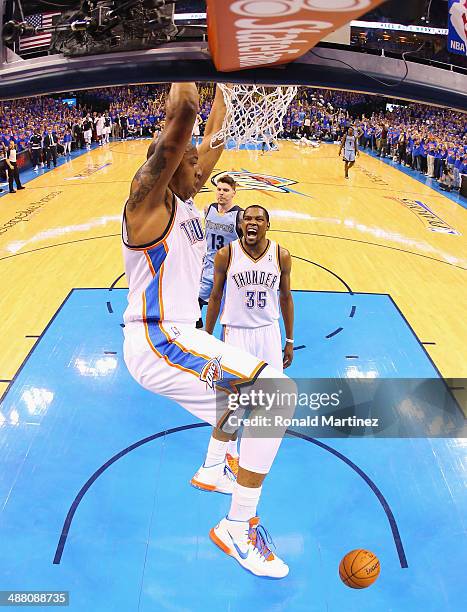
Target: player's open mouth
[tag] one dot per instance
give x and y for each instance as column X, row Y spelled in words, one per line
column 251, row 232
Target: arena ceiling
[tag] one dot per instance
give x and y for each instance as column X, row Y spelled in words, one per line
column 393, row 10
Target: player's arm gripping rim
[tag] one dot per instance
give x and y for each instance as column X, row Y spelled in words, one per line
column 286, row 303
column 221, row 263
column 208, row 157
column 149, row 205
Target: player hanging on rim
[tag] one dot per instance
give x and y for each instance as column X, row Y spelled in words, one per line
column 163, row 248
column 350, row 146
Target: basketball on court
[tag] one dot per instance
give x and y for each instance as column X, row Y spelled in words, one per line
column 359, row 569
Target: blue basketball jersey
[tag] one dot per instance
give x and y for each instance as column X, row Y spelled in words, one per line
column 221, row 228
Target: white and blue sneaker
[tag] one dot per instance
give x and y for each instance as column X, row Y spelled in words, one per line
column 247, row 542
column 217, row 478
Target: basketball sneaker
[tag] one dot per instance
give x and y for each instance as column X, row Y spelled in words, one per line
column 231, row 464
column 247, row 542
column 218, row 478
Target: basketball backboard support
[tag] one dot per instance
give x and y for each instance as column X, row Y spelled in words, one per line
column 339, row 67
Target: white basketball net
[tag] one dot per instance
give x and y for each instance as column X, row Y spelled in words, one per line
column 254, row 114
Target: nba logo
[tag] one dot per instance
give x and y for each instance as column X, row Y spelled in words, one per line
column 458, row 27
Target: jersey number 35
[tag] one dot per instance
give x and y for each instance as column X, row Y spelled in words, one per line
column 255, row 299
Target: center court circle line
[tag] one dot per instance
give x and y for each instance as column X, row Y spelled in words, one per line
column 84, row 489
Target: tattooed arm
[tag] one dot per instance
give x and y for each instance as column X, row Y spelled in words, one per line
column 148, row 205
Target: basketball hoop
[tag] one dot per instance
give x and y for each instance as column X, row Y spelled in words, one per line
column 254, row 114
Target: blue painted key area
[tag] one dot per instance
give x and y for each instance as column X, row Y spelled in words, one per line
column 136, row 537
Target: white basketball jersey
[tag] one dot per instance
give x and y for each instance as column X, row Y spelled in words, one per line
column 251, row 291
column 164, row 276
column 349, row 145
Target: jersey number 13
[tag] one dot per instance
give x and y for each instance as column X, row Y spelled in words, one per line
column 217, row 242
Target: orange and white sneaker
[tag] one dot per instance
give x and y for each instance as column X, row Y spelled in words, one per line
column 217, row 478
column 232, row 464
column 247, row 542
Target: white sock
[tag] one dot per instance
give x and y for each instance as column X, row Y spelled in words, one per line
column 216, row 452
column 232, row 448
column 244, row 503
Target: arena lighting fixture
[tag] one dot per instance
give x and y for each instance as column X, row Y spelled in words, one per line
column 101, row 26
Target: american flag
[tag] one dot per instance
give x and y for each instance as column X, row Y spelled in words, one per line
column 42, row 39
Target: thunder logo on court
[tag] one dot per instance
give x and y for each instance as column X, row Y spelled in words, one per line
column 254, row 180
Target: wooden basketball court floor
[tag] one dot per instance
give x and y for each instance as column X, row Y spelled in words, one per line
column 94, row 475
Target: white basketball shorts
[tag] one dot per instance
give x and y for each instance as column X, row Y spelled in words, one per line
column 186, row 364
column 264, row 342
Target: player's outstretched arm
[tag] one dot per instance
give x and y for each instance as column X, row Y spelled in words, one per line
column 149, row 186
column 208, row 157
column 221, row 263
column 286, row 302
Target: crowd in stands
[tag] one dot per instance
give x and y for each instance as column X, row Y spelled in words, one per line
column 322, row 114
column 19, row 119
column 133, row 112
column 429, row 140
